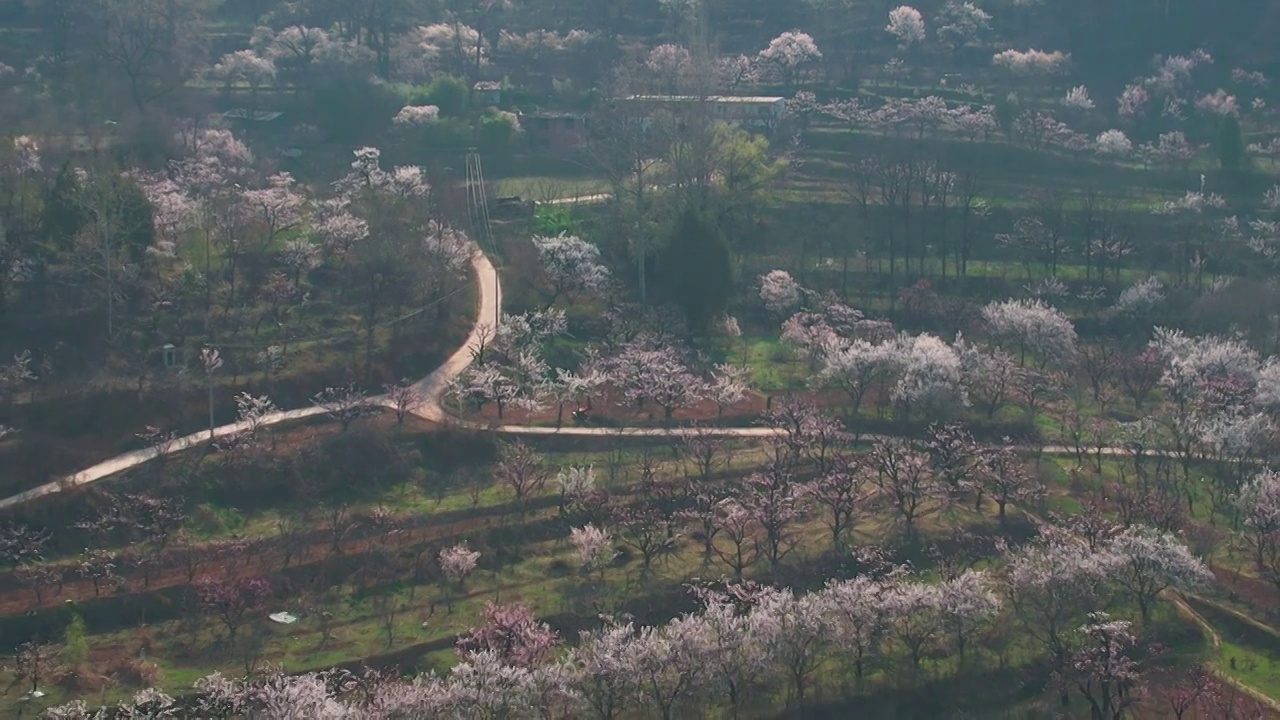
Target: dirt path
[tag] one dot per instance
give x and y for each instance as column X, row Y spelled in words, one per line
column 433, row 388
column 1184, row 608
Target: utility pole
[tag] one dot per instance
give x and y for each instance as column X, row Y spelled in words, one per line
column 478, row 212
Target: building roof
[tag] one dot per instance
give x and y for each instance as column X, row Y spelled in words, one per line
column 552, row 115
column 257, row 115
column 746, row 99
column 487, row 85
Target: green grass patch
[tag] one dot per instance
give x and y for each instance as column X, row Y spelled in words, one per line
column 550, row 187
column 1249, row 652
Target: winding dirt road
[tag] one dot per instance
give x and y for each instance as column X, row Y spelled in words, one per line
column 432, row 390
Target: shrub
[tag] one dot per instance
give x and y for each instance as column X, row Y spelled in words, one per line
column 553, row 220
column 361, row 460
column 349, row 111
column 134, row 672
column 449, row 94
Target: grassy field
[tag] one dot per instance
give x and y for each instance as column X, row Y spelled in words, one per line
column 550, row 187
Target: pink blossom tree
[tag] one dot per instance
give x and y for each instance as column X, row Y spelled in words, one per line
column 739, row 535
column 669, row 65
column 1006, row 479
column 1102, row 669
column 658, row 374
column 779, row 292
column 968, row 604
column 513, row 633
column 522, row 469
column 795, row 632
column 903, row 475
column 234, row 601
column 861, row 619
column 915, row 610
column 841, row 493
column 774, row 499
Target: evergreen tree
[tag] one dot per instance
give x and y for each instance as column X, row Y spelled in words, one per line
column 75, row 643
column 1230, row 144
column 136, row 219
column 697, row 268
column 63, row 216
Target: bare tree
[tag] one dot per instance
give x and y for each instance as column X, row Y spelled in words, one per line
column 903, row 475
column 338, row 522
column 840, row 491
column 523, row 470
column 738, row 527
column 33, row 662
column 344, row 404
column 404, row 395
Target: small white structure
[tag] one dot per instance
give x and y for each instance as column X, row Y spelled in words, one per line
column 486, row 93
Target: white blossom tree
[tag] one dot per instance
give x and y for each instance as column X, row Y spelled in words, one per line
column 906, row 24
column 1258, row 503
column 780, row 293
column 572, row 266
column 729, row 385
column 1034, row 327
column 1102, row 668
column 730, row 648
column 603, row 672
column 1033, row 62
column 930, row 375
column 457, row 562
column 1149, row 561
column 1052, row 582
column 857, row 365
column 790, row 56
column 416, row 115
column 861, row 619
column 246, row 66
column 592, row 548
column 1113, row 144
column 915, row 613
column 968, row 604
column 1077, row 98
column 959, row 25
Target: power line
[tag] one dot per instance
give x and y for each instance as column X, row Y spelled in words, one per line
column 478, row 212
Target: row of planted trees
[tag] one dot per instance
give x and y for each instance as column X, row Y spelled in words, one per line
column 1048, row 586
column 752, row 645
